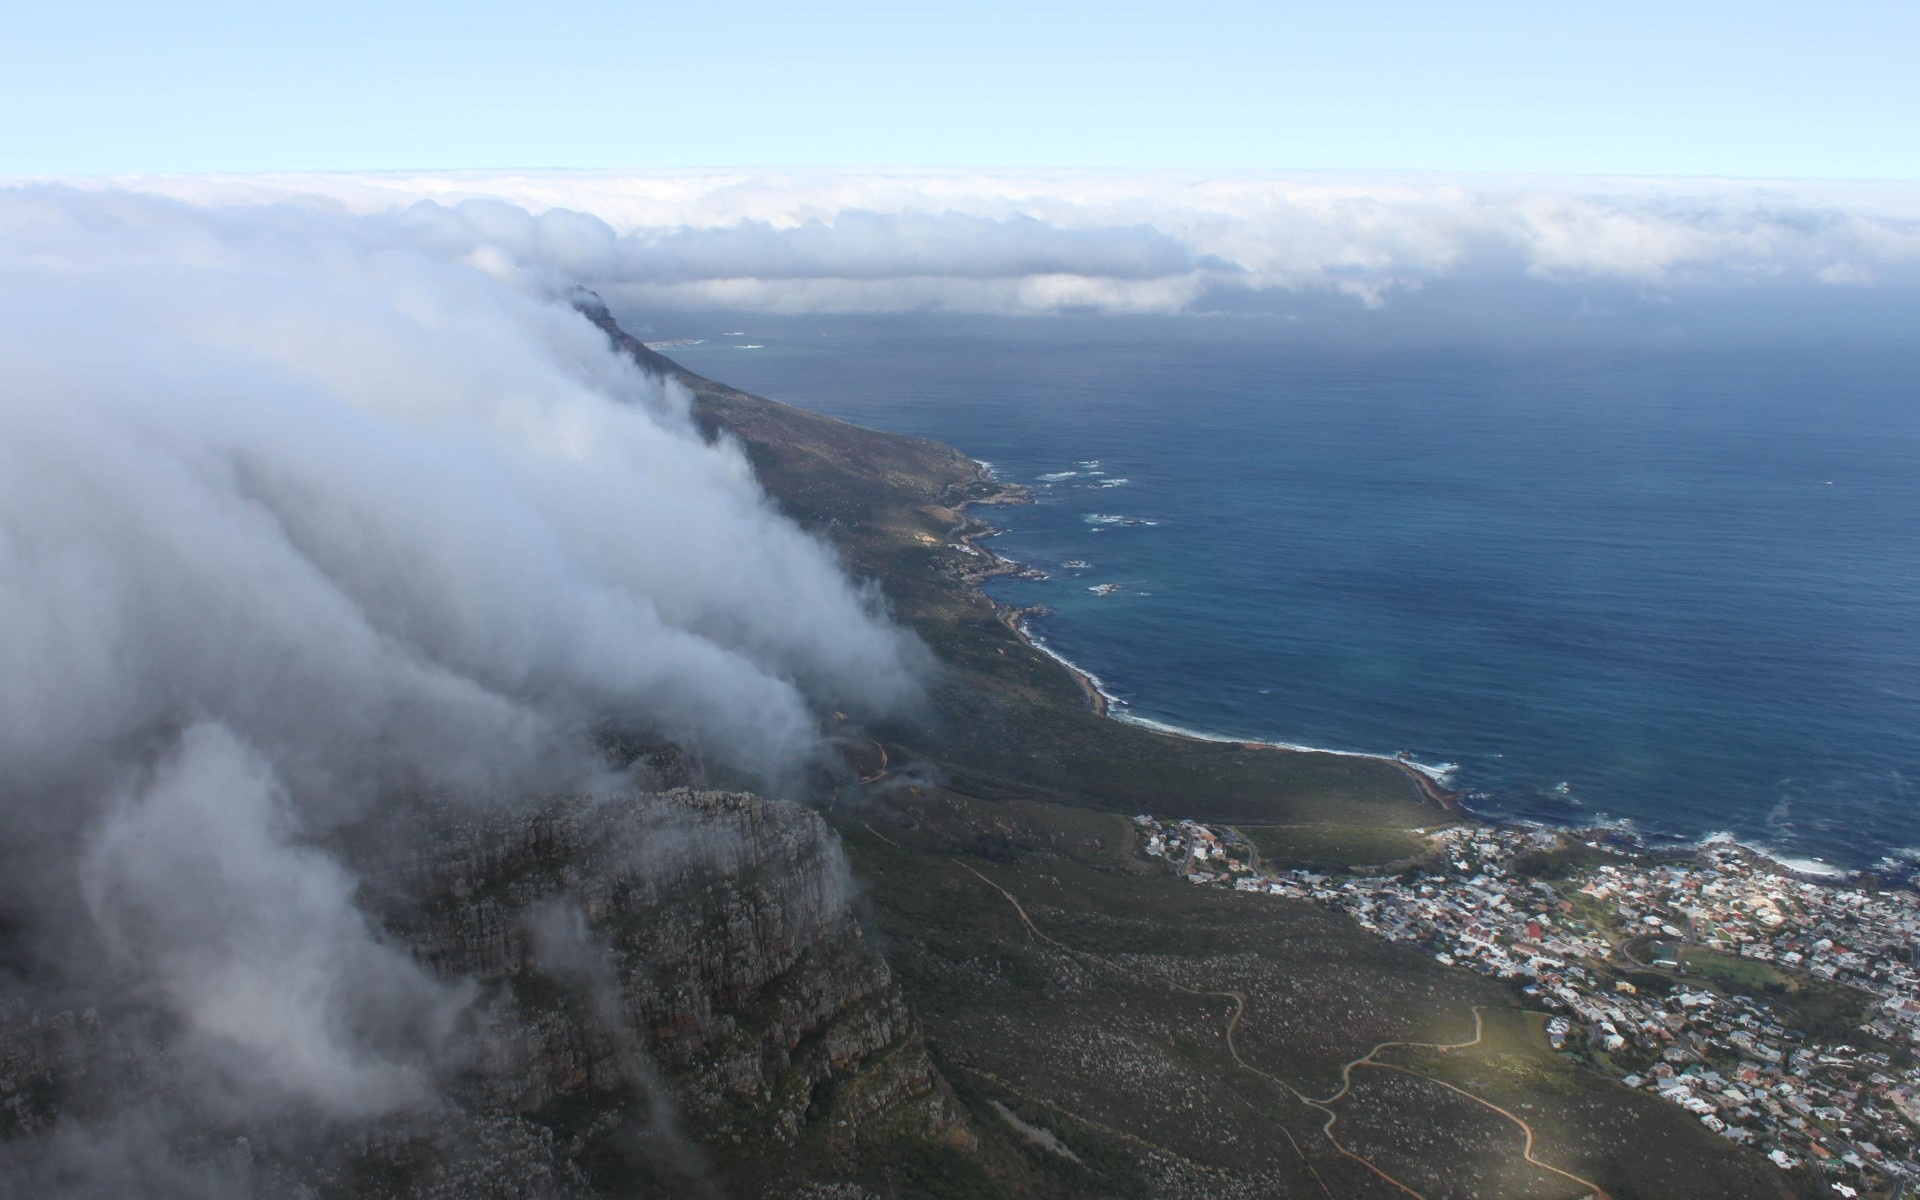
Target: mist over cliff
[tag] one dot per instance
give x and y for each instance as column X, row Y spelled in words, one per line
column 303, row 516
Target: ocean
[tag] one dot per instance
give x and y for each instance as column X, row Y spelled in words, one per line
column 1673, row 584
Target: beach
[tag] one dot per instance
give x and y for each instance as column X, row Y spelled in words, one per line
column 1430, row 781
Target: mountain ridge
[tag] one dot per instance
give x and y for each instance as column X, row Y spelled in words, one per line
column 955, row 977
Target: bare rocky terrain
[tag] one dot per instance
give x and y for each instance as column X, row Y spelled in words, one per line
column 671, row 996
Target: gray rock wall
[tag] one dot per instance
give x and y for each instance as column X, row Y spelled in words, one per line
column 669, row 996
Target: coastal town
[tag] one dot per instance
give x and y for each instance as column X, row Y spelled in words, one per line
column 1781, row 1010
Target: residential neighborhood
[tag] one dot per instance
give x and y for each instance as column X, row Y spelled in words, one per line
column 1781, row 1010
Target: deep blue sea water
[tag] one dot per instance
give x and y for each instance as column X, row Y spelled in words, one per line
column 1676, row 584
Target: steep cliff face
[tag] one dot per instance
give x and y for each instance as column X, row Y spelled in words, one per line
column 670, row 997
column 691, row 946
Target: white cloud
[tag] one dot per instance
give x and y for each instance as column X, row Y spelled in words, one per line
column 301, row 511
column 1034, row 241
column 197, row 882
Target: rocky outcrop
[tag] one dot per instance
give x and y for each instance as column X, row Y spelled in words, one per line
column 712, row 927
column 670, row 996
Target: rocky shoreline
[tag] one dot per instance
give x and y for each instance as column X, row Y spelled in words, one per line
column 1015, row 618
column 1688, row 974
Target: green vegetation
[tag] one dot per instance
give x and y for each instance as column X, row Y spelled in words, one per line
column 1170, row 1037
column 1336, row 847
column 1824, row 1011
column 1562, row 863
column 1631, row 1144
column 1006, row 721
column 1735, row 973
column 1117, row 992
column 1097, row 1015
column 1831, row 1013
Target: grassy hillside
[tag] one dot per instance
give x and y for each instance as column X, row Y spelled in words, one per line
column 1006, row 720
column 1113, row 1031
column 1190, row 1041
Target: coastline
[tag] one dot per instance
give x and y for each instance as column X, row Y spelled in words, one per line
column 1665, row 886
column 961, row 482
column 1429, row 781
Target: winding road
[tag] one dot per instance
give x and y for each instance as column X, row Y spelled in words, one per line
column 1479, row 1032
column 1346, row 1070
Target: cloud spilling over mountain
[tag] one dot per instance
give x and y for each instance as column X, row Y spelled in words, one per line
column 1036, row 242
column 303, row 511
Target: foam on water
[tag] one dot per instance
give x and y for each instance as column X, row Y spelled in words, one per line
column 1813, row 867
column 1440, row 773
column 1094, row 681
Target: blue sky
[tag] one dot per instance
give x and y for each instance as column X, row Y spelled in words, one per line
column 1753, row 89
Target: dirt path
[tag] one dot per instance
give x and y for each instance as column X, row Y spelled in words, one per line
column 1526, row 1151
column 886, row 766
column 1366, row 1060
column 1346, row 1070
column 1233, row 1026
column 1346, row 1085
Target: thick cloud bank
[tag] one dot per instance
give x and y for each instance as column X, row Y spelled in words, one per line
column 302, row 511
column 1038, row 242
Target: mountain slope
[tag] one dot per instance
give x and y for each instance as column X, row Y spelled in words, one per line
column 1007, row 720
column 1108, row 1029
